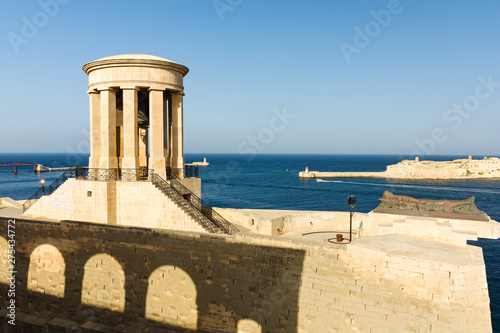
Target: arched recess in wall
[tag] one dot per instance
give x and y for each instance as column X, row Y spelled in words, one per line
column 103, row 283
column 171, row 297
column 4, row 262
column 46, row 271
column 248, row 326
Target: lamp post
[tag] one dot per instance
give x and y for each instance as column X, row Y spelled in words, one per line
column 351, row 201
column 43, row 187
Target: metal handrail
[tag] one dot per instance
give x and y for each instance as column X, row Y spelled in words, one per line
column 48, row 190
column 181, row 201
column 102, row 174
column 189, row 171
column 205, row 209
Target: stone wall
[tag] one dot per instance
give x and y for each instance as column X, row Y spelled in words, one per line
column 244, row 283
column 278, row 222
column 456, row 169
column 10, row 203
column 486, row 168
column 282, row 222
column 120, row 203
column 446, row 230
column 192, row 184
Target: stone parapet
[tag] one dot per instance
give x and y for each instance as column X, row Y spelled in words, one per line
column 247, row 282
column 293, row 223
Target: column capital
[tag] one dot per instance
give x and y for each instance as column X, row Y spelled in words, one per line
column 157, row 88
column 106, row 88
column 92, row 91
column 130, row 88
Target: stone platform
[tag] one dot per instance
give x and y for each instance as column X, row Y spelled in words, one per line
column 280, row 273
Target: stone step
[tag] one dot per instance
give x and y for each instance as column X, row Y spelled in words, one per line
column 189, row 209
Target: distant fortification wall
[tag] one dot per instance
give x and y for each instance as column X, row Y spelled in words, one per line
column 243, row 283
column 487, row 168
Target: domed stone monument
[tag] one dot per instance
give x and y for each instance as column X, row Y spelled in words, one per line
column 136, row 106
column 136, row 174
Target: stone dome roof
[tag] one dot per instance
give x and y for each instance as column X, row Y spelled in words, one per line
column 142, row 60
column 135, row 57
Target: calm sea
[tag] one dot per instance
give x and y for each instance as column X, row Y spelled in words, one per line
column 271, row 182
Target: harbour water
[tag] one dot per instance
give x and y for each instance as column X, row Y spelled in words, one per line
column 272, row 182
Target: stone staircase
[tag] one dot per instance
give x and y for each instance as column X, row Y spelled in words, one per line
column 185, row 199
column 194, row 206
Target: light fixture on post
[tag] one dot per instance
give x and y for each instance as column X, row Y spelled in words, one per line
column 351, row 201
column 43, row 186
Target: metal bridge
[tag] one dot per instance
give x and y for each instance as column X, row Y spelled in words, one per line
column 16, row 164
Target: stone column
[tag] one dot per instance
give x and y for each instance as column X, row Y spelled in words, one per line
column 177, row 134
column 95, row 128
column 157, row 160
column 169, row 124
column 130, row 158
column 108, row 158
column 143, row 147
column 166, row 112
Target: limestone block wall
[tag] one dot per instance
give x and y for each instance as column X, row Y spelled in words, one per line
column 60, row 205
column 457, row 169
column 449, row 231
column 246, row 282
column 142, row 204
column 461, row 168
column 279, row 222
column 46, row 271
column 311, row 220
column 120, row 203
column 192, row 184
column 253, row 220
column 10, row 203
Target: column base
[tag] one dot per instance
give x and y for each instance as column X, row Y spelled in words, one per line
column 159, row 166
column 176, row 162
column 93, row 162
column 143, row 162
column 130, row 163
column 108, row 162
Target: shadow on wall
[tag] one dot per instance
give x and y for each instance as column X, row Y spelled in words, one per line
column 178, row 280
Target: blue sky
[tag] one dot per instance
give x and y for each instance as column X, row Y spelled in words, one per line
column 367, row 77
